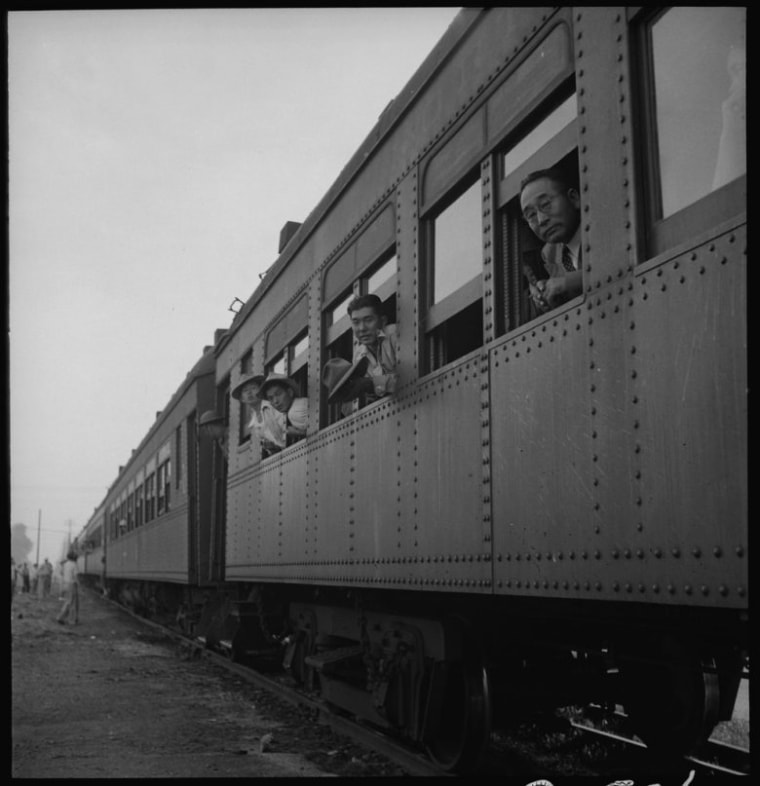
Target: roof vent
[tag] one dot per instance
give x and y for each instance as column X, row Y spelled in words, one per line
column 286, row 233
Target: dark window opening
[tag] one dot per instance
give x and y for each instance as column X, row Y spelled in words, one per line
column 521, row 255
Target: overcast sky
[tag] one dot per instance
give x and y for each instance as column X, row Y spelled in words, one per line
column 154, row 157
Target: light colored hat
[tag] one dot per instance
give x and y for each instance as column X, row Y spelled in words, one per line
column 248, row 378
column 277, row 379
column 339, row 377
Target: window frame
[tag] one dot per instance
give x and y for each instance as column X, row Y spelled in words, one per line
column 438, row 314
column 661, row 234
column 342, row 330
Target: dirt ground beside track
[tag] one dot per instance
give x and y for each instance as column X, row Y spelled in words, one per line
column 112, row 698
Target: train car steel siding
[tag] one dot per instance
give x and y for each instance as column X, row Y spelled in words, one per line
column 543, row 464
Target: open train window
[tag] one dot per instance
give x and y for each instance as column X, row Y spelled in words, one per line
column 150, row 497
column 130, row 507
column 693, row 140
column 139, row 492
column 246, row 367
column 293, row 362
column 378, row 279
column 453, row 235
column 163, row 478
column 548, row 140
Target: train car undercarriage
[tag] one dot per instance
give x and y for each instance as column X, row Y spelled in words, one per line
column 444, row 674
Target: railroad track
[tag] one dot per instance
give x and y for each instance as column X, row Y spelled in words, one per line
column 715, row 756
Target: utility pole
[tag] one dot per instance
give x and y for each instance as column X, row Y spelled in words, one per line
column 39, row 529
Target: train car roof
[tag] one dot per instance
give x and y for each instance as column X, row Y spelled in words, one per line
column 390, row 116
column 204, row 366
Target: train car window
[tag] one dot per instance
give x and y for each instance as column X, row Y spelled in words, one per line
column 287, row 345
column 246, row 366
column 547, row 140
column 130, row 509
column 693, row 143
column 163, row 478
column 337, row 316
column 278, row 365
column 339, row 341
column 168, row 483
column 160, row 486
column 541, row 135
column 139, row 506
column 293, row 362
column 298, row 362
column 178, row 454
column 454, row 235
column 150, row 497
column 380, row 280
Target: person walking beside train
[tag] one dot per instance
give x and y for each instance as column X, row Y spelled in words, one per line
column 372, row 373
column 264, row 423
column 281, row 392
column 70, row 587
column 552, row 208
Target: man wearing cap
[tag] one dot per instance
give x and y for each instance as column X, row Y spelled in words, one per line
column 265, row 422
column 281, row 392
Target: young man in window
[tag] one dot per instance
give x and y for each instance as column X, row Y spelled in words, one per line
column 373, row 371
column 292, row 411
column 552, row 208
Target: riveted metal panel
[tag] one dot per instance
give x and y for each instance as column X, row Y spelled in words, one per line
column 332, row 500
column 157, row 551
column 448, row 474
column 542, row 460
column 268, row 561
column 605, row 143
column 610, row 402
column 292, row 505
column 236, row 552
column 690, row 350
column 375, row 527
column 248, row 535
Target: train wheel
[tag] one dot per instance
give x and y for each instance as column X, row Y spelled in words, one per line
column 464, row 723
column 673, row 702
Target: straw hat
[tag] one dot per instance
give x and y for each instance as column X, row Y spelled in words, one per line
column 248, row 378
column 277, row 379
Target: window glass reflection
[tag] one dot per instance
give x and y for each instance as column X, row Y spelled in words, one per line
column 301, row 346
column 340, row 310
column 458, row 244
column 699, row 57
column 381, row 275
column 560, row 118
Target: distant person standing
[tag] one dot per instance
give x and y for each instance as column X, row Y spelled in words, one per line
column 70, row 608
column 25, row 578
column 44, row 579
column 33, row 577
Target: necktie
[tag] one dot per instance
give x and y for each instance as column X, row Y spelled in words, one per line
column 567, row 259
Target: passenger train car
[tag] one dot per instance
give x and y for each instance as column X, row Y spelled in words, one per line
column 551, row 509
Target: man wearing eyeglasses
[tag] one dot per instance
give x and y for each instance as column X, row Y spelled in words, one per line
column 552, row 208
